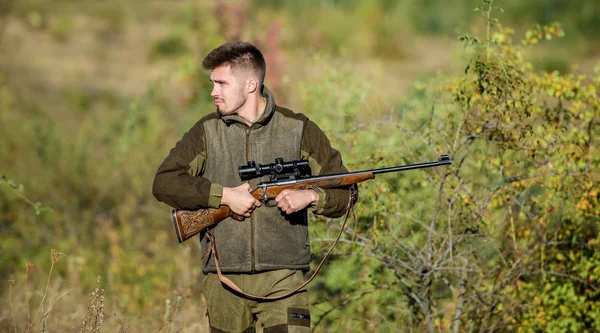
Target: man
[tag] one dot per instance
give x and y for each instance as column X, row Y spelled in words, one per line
column 268, row 253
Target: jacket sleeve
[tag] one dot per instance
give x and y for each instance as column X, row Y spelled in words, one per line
column 323, row 160
column 178, row 181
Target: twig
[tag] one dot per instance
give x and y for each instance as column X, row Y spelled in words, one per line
column 4, row 20
column 461, row 301
column 572, row 277
column 54, row 256
column 10, row 284
column 50, row 309
column 61, row 295
column 512, row 228
column 449, row 222
column 395, row 124
column 27, row 266
column 428, row 246
column 489, row 24
column 348, row 300
column 43, row 298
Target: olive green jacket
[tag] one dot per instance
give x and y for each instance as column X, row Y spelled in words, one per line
column 207, row 158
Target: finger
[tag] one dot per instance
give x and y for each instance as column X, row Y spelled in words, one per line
column 282, row 206
column 279, row 197
column 257, row 203
column 284, row 194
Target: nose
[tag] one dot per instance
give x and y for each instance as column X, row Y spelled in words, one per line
column 214, row 92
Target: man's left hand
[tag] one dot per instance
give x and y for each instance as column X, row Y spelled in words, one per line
column 291, row 201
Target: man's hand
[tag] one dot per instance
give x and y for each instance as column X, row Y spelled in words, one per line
column 239, row 199
column 291, row 201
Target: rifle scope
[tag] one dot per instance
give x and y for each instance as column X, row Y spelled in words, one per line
column 277, row 170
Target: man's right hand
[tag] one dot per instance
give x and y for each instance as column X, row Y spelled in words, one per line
column 239, row 199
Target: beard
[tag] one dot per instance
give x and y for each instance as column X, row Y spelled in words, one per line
column 232, row 105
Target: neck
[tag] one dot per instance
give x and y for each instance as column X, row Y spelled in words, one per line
column 253, row 108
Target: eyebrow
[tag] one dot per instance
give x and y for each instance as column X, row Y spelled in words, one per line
column 217, row 81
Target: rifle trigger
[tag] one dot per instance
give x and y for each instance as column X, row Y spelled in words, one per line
column 265, row 199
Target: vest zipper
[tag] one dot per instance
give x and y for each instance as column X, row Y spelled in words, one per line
column 252, row 249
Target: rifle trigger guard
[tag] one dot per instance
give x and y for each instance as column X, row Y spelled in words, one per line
column 265, row 198
column 268, row 204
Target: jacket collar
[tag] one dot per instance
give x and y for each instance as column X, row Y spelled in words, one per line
column 263, row 119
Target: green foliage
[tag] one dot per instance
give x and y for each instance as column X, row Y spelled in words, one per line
column 99, row 199
column 480, row 245
column 18, row 190
column 61, row 27
column 505, row 239
column 336, row 99
column 170, row 46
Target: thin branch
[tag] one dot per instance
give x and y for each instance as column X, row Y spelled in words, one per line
column 52, row 304
column 347, row 301
column 10, row 284
column 395, row 124
column 43, row 298
column 428, row 248
column 5, row 9
column 573, row 277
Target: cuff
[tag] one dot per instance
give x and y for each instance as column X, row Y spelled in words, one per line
column 318, row 208
column 216, row 192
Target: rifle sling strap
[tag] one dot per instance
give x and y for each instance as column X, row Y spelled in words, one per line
column 233, row 286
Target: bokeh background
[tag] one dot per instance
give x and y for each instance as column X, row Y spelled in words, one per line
column 93, row 94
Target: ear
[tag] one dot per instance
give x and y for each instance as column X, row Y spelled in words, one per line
column 252, row 85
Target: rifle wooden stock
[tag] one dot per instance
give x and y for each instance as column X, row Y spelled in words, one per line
column 191, row 222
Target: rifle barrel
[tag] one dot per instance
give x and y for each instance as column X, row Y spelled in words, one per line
column 444, row 159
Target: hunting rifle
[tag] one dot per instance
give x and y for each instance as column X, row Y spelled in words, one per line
column 283, row 175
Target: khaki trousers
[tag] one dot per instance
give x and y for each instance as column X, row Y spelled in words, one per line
column 230, row 312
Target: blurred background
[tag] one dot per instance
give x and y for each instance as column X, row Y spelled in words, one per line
column 93, row 94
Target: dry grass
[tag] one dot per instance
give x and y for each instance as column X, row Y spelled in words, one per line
column 94, row 317
column 62, row 309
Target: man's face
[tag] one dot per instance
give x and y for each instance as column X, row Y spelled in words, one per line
column 228, row 90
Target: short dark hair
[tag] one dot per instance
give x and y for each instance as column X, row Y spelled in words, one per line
column 238, row 55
